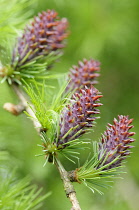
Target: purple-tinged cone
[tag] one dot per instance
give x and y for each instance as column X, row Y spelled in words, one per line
column 44, row 35
column 115, row 142
column 79, row 116
column 85, row 74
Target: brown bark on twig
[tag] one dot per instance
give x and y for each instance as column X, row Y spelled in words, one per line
column 68, row 187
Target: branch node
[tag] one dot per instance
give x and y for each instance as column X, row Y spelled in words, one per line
column 14, row 109
column 69, row 192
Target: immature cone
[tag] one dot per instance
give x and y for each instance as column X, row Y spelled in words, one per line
column 79, row 116
column 85, row 73
column 116, row 142
column 44, row 35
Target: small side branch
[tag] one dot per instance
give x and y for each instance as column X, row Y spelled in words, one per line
column 22, row 106
column 68, row 187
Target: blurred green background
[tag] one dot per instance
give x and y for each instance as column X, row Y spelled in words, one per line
column 107, row 31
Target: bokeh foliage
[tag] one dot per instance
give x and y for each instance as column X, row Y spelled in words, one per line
column 106, row 31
